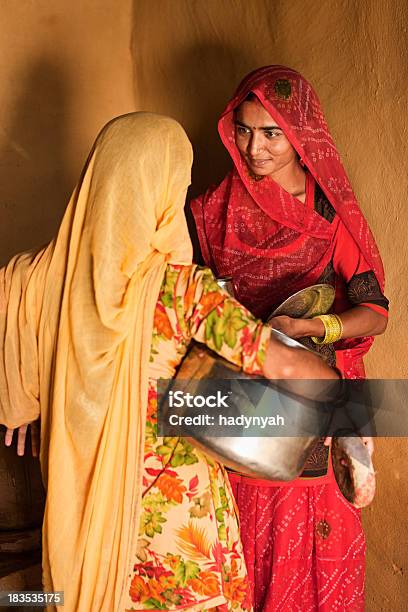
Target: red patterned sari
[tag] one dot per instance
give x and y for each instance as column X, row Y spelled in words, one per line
column 303, row 542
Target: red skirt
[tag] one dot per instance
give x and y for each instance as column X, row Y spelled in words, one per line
column 304, row 545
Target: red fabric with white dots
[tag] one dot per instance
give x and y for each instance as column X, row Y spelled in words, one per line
column 304, row 547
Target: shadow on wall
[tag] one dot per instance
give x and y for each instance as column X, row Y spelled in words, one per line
column 203, row 74
column 34, row 187
column 205, row 78
column 194, row 87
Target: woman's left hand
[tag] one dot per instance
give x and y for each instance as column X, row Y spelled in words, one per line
column 21, row 438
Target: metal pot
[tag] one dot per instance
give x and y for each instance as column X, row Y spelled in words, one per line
column 278, row 454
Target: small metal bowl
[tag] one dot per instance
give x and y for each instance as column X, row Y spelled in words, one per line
column 307, row 303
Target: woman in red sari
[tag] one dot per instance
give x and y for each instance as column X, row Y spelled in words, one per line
column 283, row 219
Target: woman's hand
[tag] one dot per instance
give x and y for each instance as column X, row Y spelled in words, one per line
column 297, row 328
column 21, row 438
column 301, row 372
column 284, row 362
column 358, row 321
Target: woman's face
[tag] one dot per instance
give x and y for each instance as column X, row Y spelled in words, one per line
column 261, row 141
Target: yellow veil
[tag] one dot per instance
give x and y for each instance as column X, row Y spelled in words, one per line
column 75, row 332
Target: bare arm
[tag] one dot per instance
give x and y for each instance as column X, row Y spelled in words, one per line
column 358, row 321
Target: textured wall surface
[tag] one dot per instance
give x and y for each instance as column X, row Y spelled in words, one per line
column 65, row 70
column 68, row 67
column 188, row 58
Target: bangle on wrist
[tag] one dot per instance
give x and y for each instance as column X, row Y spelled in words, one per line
column 333, row 329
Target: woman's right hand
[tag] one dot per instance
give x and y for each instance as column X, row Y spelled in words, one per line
column 301, row 372
column 284, row 362
column 21, row 438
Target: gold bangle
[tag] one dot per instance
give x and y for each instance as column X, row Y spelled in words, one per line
column 333, row 329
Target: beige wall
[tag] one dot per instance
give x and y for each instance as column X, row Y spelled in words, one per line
column 188, row 58
column 67, row 67
column 65, row 70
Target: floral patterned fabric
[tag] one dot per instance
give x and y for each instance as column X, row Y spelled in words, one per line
column 189, row 553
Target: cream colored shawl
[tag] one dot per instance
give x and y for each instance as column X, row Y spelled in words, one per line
column 75, row 332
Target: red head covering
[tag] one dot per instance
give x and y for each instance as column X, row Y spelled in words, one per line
column 254, row 230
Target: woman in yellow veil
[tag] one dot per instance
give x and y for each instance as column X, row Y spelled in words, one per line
column 87, row 325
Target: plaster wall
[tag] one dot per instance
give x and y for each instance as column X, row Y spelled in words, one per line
column 65, row 70
column 188, row 58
